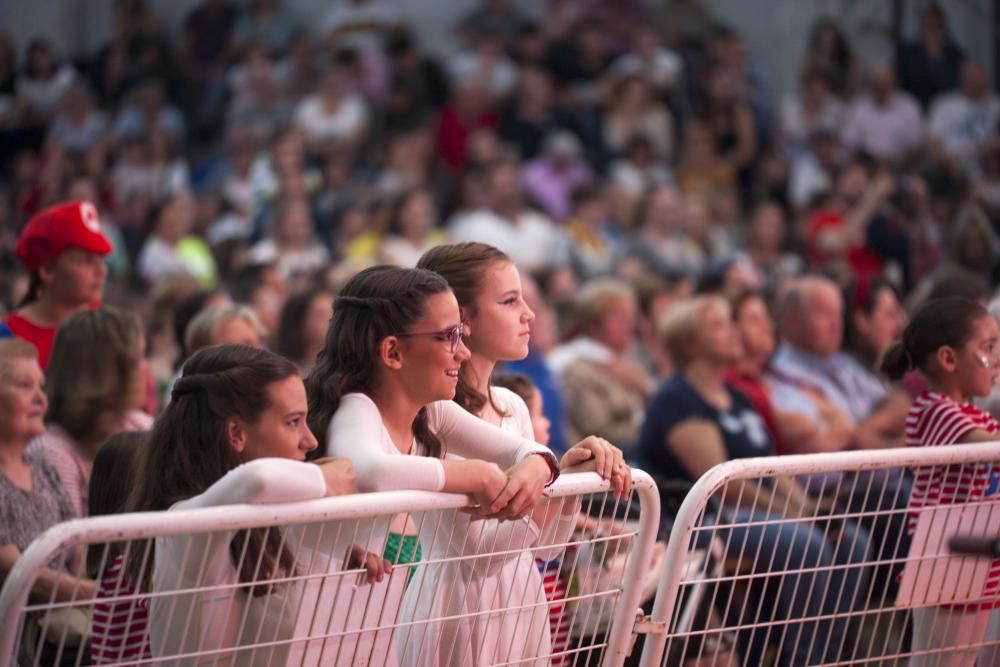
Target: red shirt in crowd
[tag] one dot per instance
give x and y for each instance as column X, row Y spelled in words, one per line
column 39, row 336
column 936, row 420
column 453, row 134
column 757, row 393
column 866, row 263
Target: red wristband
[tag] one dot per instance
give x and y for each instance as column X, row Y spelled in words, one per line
column 553, row 464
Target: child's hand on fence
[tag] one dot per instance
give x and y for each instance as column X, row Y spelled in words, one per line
column 338, row 475
column 375, row 568
column 600, row 456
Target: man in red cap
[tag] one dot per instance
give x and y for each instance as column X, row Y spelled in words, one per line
column 63, row 249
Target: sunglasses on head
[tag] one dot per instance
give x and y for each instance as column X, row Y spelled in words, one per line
column 452, row 335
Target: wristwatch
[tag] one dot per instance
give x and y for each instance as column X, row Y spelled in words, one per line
column 553, row 463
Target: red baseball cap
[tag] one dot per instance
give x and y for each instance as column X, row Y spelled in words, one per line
column 57, row 229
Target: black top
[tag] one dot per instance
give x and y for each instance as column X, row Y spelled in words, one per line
column 741, row 427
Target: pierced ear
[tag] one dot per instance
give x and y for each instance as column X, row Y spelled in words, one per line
column 390, row 351
column 236, row 435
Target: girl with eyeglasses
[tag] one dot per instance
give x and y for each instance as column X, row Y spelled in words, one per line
column 380, row 395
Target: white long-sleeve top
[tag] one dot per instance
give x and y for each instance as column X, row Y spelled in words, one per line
column 219, row 618
column 452, row 581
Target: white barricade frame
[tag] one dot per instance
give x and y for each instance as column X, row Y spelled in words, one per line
column 677, row 581
column 623, row 596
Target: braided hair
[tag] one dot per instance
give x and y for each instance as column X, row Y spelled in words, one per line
column 378, row 302
column 189, row 449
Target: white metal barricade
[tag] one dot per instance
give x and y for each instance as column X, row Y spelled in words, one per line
column 286, row 584
column 855, row 571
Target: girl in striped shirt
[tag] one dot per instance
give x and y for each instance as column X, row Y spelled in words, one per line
column 953, row 342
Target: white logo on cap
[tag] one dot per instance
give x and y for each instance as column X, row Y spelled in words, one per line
column 89, row 216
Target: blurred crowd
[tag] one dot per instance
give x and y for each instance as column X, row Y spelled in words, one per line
column 624, row 156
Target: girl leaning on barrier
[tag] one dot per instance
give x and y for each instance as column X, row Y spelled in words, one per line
column 953, row 342
column 235, row 432
column 380, row 395
column 488, row 288
column 32, row 500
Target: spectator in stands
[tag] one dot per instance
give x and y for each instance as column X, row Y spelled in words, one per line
column 62, row 248
column 595, row 246
column 488, row 288
column 605, row 391
column 702, row 167
column 32, row 498
column 965, row 122
column 528, row 237
column 535, row 366
column 530, row 117
column 173, row 249
column 77, row 125
column 486, row 63
column 661, row 243
column 697, row 421
column 334, row 119
column 412, row 229
column 974, row 244
column 292, row 246
column 42, row 83
column 930, row 65
column 120, row 627
column 814, row 109
column 468, row 110
column 953, row 343
column 380, row 388
column 885, row 122
column 875, row 320
column 235, row 432
column 829, row 51
column 809, row 361
column 264, row 290
column 224, row 325
column 551, row 178
column 767, row 242
column 146, row 111
column 639, row 169
column 96, row 386
column 302, row 330
column 813, row 171
column 729, row 119
column 838, row 226
column 660, row 66
column 633, row 108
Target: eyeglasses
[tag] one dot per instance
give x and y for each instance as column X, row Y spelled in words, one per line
column 452, row 335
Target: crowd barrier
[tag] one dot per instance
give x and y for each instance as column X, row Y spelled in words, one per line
column 287, row 584
column 754, row 575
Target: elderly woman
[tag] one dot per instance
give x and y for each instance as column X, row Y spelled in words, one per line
column 697, row 421
column 95, row 384
column 32, row 498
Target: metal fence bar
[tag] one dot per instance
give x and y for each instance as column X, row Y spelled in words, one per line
column 306, row 530
column 829, row 601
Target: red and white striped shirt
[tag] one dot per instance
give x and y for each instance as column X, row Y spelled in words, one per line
column 119, row 626
column 936, row 420
column 555, row 594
